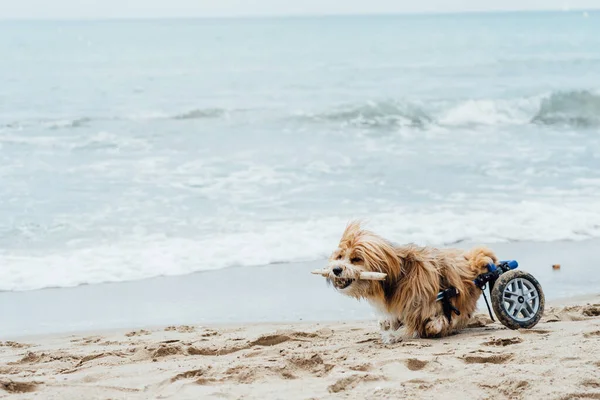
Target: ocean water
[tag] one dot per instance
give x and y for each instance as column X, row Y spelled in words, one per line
column 135, row 149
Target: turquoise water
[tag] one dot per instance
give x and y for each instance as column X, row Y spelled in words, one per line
column 134, row 149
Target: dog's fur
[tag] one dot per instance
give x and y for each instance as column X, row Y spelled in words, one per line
column 415, row 275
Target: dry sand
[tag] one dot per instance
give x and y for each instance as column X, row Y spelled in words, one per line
column 558, row 359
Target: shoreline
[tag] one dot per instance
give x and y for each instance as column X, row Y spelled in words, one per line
column 281, row 293
column 482, row 313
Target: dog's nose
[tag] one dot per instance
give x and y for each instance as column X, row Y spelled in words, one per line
column 337, row 271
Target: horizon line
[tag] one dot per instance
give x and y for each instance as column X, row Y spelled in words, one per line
column 301, row 15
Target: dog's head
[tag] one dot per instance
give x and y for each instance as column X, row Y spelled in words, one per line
column 359, row 251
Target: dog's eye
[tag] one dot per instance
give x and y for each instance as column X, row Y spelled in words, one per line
column 339, row 257
column 355, row 260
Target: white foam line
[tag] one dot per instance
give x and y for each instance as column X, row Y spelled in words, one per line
column 145, row 256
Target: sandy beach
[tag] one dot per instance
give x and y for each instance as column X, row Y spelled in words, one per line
column 558, row 359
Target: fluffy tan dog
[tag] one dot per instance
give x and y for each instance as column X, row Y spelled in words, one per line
column 415, row 275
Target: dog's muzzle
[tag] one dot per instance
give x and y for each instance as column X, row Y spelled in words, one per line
column 342, row 283
column 337, row 280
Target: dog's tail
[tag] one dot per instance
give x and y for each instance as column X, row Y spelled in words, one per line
column 479, row 258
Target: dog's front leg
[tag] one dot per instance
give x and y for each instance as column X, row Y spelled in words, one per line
column 437, row 326
column 390, row 331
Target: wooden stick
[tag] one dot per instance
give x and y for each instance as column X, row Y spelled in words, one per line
column 365, row 276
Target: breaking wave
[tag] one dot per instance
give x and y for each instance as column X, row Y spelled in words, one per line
column 377, row 114
column 579, row 109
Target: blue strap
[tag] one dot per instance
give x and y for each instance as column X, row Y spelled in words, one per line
column 512, row 264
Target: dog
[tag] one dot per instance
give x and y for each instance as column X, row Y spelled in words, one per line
column 415, row 275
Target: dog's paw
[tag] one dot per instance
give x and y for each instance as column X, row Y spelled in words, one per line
column 436, row 326
column 391, row 337
column 384, row 325
column 387, row 324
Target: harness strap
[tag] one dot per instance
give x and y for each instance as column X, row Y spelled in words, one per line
column 444, row 296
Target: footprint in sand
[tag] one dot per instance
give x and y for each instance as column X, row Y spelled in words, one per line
column 110, row 343
column 263, row 341
column 15, row 345
column 33, row 358
column 87, row 340
column 509, row 388
column 242, row 374
column 535, row 331
column 416, row 365
column 270, row 340
column 494, row 359
column 417, row 345
column 421, row 384
column 362, row 367
column 138, row 333
column 503, row 342
column 166, row 350
column 91, row 357
column 18, row 387
column 193, row 374
column 591, row 311
column 591, row 383
column 180, row 329
column 153, row 352
column 591, row 334
column 281, row 337
column 314, row 364
column 9, row 371
column 30, row 358
column 199, row 351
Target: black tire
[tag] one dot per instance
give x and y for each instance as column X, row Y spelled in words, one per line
column 512, row 309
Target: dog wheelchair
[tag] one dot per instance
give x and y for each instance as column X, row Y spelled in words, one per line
column 517, row 297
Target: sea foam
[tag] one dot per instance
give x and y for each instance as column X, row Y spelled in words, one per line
column 147, row 256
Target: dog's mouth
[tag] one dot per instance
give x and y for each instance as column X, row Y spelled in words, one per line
column 342, row 283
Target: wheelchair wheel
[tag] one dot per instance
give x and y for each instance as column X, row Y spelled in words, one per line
column 518, row 300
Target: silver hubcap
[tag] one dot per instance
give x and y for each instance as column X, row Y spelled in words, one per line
column 521, row 299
